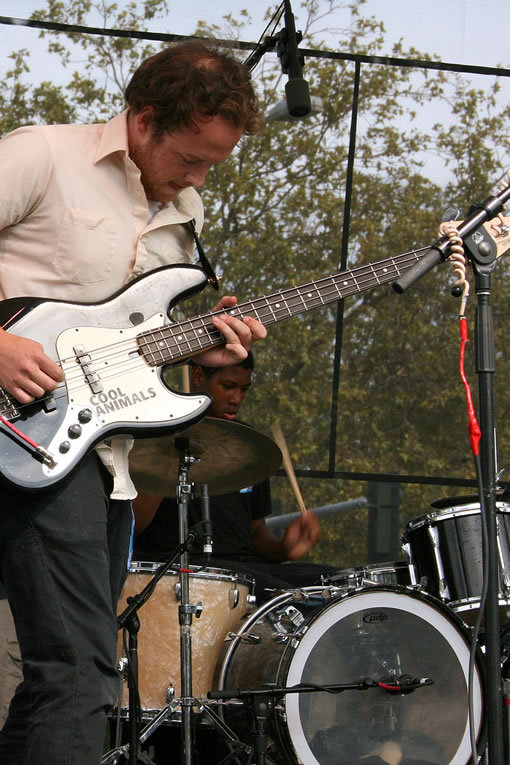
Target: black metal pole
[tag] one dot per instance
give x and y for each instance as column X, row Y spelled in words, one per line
column 485, row 367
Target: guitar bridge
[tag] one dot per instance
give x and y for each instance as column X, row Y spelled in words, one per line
column 8, row 406
column 91, row 376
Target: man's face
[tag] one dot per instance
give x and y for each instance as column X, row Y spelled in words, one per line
column 178, row 159
column 228, row 388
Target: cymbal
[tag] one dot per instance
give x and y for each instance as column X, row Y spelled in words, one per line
column 231, row 456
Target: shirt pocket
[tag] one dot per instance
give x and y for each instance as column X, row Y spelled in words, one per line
column 86, row 246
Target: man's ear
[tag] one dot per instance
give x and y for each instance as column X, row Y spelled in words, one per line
column 144, row 120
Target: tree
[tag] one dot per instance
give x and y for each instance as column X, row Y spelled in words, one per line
column 275, row 218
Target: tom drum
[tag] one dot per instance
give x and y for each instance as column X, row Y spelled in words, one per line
column 225, row 597
column 445, row 550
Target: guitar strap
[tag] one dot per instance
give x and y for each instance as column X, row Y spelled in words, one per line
column 208, row 269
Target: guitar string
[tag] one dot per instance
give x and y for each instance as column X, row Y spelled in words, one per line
column 358, row 284
column 165, row 342
column 175, row 330
column 332, row 280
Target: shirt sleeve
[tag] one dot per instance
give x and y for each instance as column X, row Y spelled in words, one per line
column 26, row 161
column 260, row 500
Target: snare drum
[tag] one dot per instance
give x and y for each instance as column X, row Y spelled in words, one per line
column 445, row 549
column 323, row 637
column 397, row 572
column 225, row 598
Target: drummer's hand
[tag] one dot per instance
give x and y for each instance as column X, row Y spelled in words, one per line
column 301, row 535
column 239, row 335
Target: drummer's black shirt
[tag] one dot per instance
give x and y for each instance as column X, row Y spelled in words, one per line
column 231, row 517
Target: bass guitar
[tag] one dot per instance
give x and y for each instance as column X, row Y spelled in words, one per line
column 112, row 354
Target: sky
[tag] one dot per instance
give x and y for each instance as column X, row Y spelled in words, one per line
column 469, row 32
column 459, row 31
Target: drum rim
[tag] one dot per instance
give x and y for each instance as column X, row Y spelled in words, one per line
column 291, row 701
column 394, row 565
column 472, row 508
column 196, row 572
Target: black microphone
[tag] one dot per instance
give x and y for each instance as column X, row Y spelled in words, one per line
column 206, row 521
column 297, row 92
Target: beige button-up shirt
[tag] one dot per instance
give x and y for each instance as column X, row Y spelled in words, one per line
column 74, row 226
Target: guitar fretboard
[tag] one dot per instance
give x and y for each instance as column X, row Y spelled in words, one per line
column 180, row 340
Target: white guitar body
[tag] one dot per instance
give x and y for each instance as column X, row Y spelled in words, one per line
column 110, row 389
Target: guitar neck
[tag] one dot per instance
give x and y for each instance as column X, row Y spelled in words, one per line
column 181, row 340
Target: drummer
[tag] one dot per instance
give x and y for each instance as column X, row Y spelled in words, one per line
column 241, row 538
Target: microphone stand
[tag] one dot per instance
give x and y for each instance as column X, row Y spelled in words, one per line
column 129, row 620
column 481, row 250
column 483, row 265
column 263, row 700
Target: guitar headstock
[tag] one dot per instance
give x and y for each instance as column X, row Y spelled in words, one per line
column 499, row 230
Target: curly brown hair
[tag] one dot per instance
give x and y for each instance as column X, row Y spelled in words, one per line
column 192, row 80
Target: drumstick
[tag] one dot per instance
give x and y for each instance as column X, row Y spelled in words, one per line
column 280, row 441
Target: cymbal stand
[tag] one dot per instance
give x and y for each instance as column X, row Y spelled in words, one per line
column 184, row 493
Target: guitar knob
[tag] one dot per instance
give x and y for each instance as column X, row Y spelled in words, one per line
column 84, row 416
column 64, row 447
column 74, row 431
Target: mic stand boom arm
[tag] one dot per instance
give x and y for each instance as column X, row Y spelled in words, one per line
column 440, row 251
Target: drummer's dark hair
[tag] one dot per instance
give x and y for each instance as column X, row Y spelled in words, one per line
column 247, row 363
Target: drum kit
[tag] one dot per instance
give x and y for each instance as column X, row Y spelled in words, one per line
column 374, row 664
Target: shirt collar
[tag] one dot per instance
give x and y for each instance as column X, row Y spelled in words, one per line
column 114, row 137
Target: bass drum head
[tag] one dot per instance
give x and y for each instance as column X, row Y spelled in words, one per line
column 382, row 634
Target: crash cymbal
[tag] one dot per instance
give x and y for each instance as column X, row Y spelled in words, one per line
column 231, row 456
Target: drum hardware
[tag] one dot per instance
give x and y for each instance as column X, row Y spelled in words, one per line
column 128, row 620
column 231, row 591
column 247, row 637
column 398, row 572
column 264, row 701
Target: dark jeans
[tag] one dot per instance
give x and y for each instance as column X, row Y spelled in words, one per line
column 63, row 557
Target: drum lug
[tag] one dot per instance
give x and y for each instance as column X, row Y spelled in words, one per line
column 122, row 666
column 433, row 534
column 170, row 693
column 233, row 598
column 287, row 621
column 246, row 637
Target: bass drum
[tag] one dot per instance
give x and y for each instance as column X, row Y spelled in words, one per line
column 321, row 636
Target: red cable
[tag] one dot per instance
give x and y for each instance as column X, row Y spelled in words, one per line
column 387, row 687
column 19, row 433
column 474, row 429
